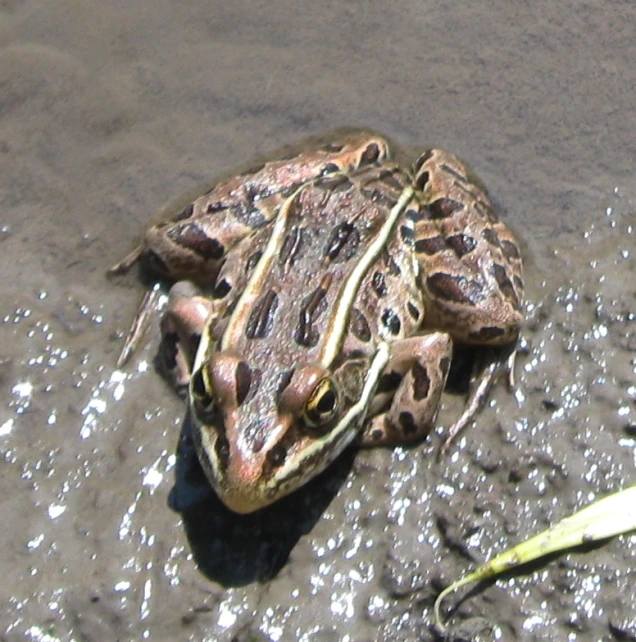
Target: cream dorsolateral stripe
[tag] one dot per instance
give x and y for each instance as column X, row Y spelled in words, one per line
column 343, row 306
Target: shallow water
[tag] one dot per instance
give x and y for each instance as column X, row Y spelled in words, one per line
column 110, row 110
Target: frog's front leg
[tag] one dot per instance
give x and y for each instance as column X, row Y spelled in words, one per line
column 414, row 377
column 182, row 324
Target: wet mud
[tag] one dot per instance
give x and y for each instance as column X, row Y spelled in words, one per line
column 110, row 111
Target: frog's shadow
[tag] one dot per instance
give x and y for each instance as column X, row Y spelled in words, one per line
column 235, row 550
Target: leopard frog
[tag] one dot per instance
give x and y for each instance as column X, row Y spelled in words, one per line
column 318, row 300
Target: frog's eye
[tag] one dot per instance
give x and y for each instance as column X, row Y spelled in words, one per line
column 201, row 391
column 322, row 404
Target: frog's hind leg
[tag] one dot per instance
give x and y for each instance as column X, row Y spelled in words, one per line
column 470, row 265
column 470, row 269
column 414, row 378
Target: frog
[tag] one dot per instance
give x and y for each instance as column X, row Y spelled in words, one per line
column 317, row 300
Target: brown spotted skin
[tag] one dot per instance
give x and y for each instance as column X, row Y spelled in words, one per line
column 470, row 262
column 336, row 284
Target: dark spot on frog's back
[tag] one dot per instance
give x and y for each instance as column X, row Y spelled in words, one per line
column 453, row 172
column 378, row 283
column 312, row 308
column 261, row 319
column 291, row 246
column 416, row 215
column 431, row 245
column 422, row 180
column 393, row 267
column 284, row 381
column 389, row 382
column 193, row 237
column 215, row 207
column 505, row 284
column 359, row 326
column 221, row 289
column 343, row 242
column 485, row 210
column 443, row 208
column 458, row 289
column 306, row 335
column 426, row 156
column 413, row 310
column 510, row 250
column 407, row 233
column 491, row 237
column 329, row 168
column 371, row 154
column 461, row 244
column 391, row 321
column 252, row 261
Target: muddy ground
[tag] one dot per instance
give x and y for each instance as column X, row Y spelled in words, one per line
column 110, row 110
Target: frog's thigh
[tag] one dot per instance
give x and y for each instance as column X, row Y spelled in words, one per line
column 181, row 326
column 424, row 362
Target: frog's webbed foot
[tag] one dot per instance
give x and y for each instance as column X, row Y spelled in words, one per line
column 489, row 366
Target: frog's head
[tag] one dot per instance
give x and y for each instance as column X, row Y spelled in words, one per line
column 263, row 431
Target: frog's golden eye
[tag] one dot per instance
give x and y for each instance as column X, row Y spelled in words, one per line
column 322, row 404
column 201, row 391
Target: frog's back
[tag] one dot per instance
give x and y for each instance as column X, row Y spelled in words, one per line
column 335, row 262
